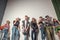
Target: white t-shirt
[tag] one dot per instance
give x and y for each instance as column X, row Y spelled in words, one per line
column 25, row 23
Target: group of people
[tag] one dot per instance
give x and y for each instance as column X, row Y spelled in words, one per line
column 47, row 26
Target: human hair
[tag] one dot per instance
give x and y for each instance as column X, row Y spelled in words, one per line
column 33, row 20
column 8, row 22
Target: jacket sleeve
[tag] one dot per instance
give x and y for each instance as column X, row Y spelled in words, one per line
column 32, row 25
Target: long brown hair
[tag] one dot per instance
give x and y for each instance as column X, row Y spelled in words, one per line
column 33, row 20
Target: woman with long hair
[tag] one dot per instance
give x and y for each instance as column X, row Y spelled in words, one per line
column 34, row 27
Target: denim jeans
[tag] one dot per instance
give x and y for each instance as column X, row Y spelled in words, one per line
column 15, row 33
column 5, row 31
column 43, row 34
column 34, row 35
column 26, row 37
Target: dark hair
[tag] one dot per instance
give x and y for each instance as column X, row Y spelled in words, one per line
column 19, row 19
column 26, row 16
column 14, row 21
column 46, row 16
column 40, row 17
column 34, row 20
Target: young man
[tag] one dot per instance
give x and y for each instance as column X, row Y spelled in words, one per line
column 49, row 28
column 26, row 27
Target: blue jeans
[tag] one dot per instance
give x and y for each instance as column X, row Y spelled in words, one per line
column 25, row 37
column 5, row 31
column 43, row 34
column 15, row 33
column 34, row 35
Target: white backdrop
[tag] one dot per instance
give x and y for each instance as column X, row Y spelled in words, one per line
column 32, row 8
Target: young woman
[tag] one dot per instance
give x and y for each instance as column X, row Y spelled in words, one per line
column 34, row 29
column 42, row 28
column 6, row 28
column 15, row 29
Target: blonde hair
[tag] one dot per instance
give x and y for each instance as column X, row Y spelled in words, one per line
column 8, row 21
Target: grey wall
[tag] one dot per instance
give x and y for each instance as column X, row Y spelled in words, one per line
column 2, row 9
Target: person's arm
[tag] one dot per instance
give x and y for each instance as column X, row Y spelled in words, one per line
column 19, row 27
column 9, row 30
column 53, row 25
column 18, row 23
column 59, row 22
column 28, row 28
column 32, row 25
column 36, row 26
column 2, row 27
